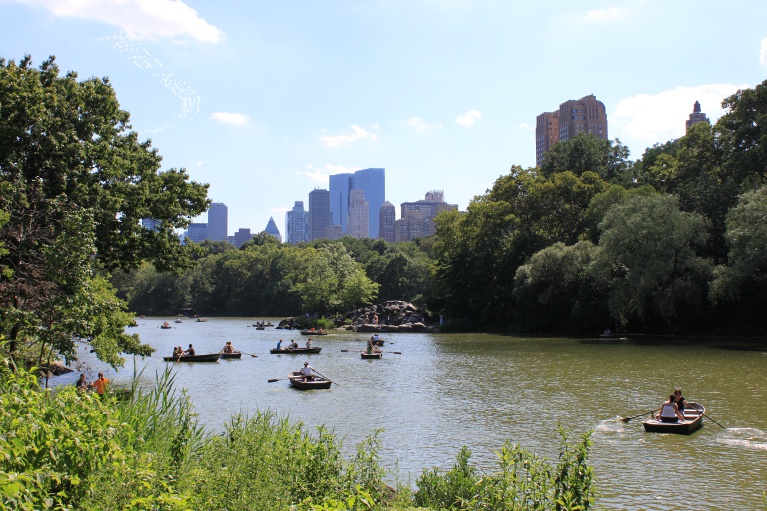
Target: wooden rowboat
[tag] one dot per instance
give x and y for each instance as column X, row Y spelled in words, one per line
column 236, row 354
column 210, row 357
column 375, row 354
column 294, row 351
column 297, row 381
column 693, row 419
column 309, row 332
column 377, row 342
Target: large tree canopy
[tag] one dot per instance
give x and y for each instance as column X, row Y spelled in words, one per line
column 76, row 182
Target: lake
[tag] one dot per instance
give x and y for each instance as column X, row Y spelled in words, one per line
column 448, row 390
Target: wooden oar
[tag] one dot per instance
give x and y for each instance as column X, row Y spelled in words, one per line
column 626, row 419
column 712, row 420
column 251, row 354
column 275, row 379
column 322, row 375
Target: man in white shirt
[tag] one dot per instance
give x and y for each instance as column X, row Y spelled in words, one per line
column 307, row 372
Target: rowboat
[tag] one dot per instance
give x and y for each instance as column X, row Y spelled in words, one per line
column 294, row 351
column 314, row 332
column 375, row 354
column 260, row 328
column 377, row 342
column 166, row 326
column 236, row 354
column 693, row 419
column 210, row 357
column 298, row 382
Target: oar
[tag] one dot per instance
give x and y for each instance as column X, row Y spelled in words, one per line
column 251, row 354
column 275, row 379
column 626, row 419
column 331, row 381
column 712, row 420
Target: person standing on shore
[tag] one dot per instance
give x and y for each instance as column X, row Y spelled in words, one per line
column 100, row 384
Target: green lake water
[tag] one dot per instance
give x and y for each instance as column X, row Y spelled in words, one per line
column 480, row 390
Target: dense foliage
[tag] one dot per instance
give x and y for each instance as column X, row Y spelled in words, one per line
column 74, row 450
column 75, row 182
column 265, row 277
column 673, row 242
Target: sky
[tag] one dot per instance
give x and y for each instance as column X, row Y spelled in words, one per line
column 264, row 100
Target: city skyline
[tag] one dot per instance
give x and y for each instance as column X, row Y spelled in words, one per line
column 265, row 102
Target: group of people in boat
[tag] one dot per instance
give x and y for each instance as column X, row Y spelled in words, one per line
column 262, row 323
column 673, row 409
column 178, row 351
column 315, row 330
column 293, row 344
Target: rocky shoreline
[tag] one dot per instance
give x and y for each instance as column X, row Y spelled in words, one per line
column 393, row 316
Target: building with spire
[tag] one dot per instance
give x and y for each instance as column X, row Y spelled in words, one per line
column 272, row 230
column 585, row 115
column 695, row 117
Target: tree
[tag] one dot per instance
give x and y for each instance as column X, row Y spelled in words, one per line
column 649, row 252
column 75, row 177
column 587, row 153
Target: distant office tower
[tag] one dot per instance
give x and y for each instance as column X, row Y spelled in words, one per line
column 373, row 183
column 695, row 117
column 417, row 218
column 319, row 214
column 340, row 185
column 359, row 215
column 585, row 115
column 370, row 181
column 271, row 229
column 198, row 232
column 241, row 236
column 386, row 217
column 218, row 220
column 334, row 232
column 297, row 224
column 150, row 224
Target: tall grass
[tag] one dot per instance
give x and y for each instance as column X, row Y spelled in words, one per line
column 65, row 449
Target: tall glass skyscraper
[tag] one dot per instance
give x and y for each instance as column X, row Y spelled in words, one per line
column 297, row 224
column 319, row 214
column 373, row 183
column 340, row 185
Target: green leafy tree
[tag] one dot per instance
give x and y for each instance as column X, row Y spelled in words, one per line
column 649, row 252
column 588, row 153
column 76, row 182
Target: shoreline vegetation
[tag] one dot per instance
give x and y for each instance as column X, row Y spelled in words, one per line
column 74, row 450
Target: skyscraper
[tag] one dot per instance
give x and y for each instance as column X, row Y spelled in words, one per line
column 359, row 215
column 386, row 216
column 297, row 224
column 340, row 184
column 218, row 219
column 150, row 224
column 271, row 229
column 319, row 214
column 241, row 236
column 198, row 232
column 417, row 218
column 695, row 117
column 373, row 183
column 585, row 115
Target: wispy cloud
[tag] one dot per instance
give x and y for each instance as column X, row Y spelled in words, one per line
column 526, row 126
column 763, row 52
column 321, row 174
column 140, row 57
column 604, row 15
column 139, row 19
column 229, row 118
column 468, row 119
column 422, row 126
column 357, row 134
column 647, row 119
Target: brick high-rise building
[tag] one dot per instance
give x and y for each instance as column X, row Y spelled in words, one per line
column 695, row 117
column 417, row 218
column 585, row 115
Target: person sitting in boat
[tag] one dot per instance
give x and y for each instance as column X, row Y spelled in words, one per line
column 376, row 337
column 681, row 403
column 279, row 344
column 321, row 331
column 293, row 344
column 309, row 343
column 669, row 412
column 228, row 348
column 190, row 351
column 166, row 325
column 306, row 371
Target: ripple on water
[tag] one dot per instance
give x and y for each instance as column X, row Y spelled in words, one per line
column 750, row 438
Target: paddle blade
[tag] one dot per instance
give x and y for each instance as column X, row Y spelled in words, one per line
column 273, row 380
column 396, row 352
column 344, row 351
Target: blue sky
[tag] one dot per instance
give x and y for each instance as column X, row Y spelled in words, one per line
column 264, row 100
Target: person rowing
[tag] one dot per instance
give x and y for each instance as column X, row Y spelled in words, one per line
column 228, row 348
column 306, row 372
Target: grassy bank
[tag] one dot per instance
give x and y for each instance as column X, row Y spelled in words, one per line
column 66, row 449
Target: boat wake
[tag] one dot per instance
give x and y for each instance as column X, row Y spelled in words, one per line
column 750, row 438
